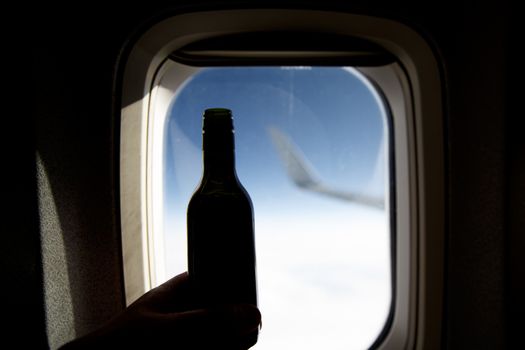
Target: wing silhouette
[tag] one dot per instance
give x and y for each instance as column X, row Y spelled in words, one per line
column 304, row 176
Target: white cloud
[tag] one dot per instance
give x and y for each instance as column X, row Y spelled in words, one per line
column 324, row 280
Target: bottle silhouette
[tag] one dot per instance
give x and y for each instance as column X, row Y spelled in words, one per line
column 221, row 247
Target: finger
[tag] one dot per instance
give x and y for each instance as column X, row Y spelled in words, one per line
column 237, row 319
column 176, row 281
column 226, row 327
column 172, row 296
column 231, row 326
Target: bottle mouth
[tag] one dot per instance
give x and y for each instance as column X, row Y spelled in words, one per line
column 218, row 112
column 217, row 119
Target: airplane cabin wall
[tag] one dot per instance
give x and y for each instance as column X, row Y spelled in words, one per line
column 75, row 200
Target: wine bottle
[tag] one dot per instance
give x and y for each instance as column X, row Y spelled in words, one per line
column 221, row 246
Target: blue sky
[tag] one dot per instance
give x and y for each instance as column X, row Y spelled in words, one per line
column 334, row 119
column 328, row 112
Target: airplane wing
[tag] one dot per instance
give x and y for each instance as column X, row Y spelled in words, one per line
column 303, row 174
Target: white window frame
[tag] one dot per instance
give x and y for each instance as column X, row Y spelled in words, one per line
column 412, row 89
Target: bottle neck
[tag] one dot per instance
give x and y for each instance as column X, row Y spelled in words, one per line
column 219, row 156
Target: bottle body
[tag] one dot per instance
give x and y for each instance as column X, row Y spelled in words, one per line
column 221, row 243
column 221, row 247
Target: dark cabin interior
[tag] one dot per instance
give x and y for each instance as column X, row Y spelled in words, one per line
column 64, row 177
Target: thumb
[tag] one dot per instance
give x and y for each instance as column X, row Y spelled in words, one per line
column 246, row 318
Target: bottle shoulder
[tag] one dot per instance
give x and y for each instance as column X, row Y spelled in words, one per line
column 221, row 187
column 207, row 193
column 221, row 194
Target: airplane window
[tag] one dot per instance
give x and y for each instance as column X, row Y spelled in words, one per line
column 338, row 144
column 312, row 152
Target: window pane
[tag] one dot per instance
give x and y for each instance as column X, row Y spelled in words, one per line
column 311, row 146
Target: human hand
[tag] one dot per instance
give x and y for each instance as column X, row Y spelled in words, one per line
column 168, row 316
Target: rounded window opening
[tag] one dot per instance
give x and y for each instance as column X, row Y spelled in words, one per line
column 312, row 150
